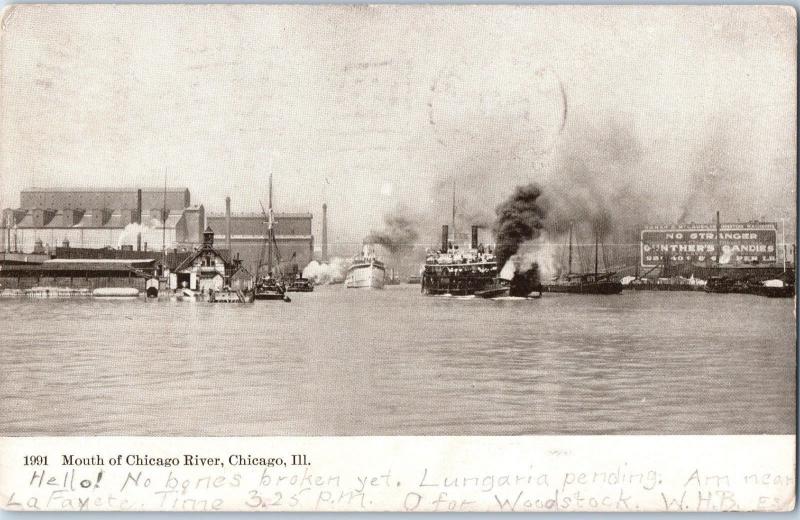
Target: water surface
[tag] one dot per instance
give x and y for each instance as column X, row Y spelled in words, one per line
column 394, row 362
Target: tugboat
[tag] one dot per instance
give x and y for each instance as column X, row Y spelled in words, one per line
column 269, row 288
column 584, row 283
column 501, row 287
column 366, row 271
column 460, row 272
column 300, row 284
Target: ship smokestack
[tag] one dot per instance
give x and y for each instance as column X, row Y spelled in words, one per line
column 474, row 237
column 139, row 219
column 324, row 232
column 445, row 236
column 228, row 226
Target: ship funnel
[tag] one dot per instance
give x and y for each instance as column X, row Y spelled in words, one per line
column 474, row 237
column 445, row 235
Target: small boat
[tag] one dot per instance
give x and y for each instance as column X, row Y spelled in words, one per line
column 270, row 289
column 776, row 289
column 116, row 292
column 231, row 296
column 494, row 291
column 151, row 287
column 392, row 280
column 300, row 284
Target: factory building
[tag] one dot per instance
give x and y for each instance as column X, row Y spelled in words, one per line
column 55, row 221
column 146, row 219
column 244, row 234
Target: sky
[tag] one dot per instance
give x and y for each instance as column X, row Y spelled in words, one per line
column 660, row 114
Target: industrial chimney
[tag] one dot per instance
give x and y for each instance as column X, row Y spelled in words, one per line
column 228, row 226
column 139, row 219
column 324, row 232
column 445, row 235
column 474, row 237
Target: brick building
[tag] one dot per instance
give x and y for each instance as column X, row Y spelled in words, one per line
column 295, row 243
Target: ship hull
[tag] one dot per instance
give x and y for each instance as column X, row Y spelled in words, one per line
column 456, row 285
column 268, row 296
column 365, row 276
column 584, row 288
column 493, row 292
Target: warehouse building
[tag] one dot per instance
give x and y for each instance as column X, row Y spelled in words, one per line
column 142, row 218
column 73, row 222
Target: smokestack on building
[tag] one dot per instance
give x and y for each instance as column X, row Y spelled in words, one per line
column 228, row 226
column 324, row 232
column 445, row 236
column 719, row 244
column 139, row 219
column 474, row 237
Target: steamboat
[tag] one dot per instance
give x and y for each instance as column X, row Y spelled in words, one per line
column 366, row 272
column 461, row 272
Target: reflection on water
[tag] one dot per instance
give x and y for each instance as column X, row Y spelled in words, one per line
column 350, row 362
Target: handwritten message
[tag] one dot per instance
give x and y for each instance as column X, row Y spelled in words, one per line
column 513, row 474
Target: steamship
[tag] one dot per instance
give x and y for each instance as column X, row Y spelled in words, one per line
column 366, row 272
column 461, row 272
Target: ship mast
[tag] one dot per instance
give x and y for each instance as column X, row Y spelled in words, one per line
column 569, row 268
column 164, row 226
column 454, row 212
column 595, row 253
column 269, row 222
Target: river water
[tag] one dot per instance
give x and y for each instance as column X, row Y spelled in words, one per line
column 394, row 362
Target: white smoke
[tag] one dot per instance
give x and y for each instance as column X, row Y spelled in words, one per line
column 326, row 272
column 542, row 252
column 128, row 235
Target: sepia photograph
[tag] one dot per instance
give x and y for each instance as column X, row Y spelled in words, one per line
column 385, row 220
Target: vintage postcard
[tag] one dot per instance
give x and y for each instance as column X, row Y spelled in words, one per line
column 398, row 258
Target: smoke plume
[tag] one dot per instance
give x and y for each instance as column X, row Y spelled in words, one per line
column 128, row 235
column 327, row 272
column 399, row 234
column 520, row 219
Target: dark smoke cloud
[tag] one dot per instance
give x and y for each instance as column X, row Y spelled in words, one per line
column 519, row 219
column 399, row 234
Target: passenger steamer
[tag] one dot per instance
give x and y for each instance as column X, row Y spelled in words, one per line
column 366, row 272
column 460, row 272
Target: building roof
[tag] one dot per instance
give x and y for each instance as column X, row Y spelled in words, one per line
column 205, row 249
column 71, row 266
column 122, row 261
column 67, row 189
column 255, row 214
column 115, row 220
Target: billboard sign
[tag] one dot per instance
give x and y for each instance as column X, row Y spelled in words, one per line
column 751, row 243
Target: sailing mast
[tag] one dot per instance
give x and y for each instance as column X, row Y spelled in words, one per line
column 595, row 253
column 569, row 268
column 269, row 222
column 454, row 212
column 164, row 225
